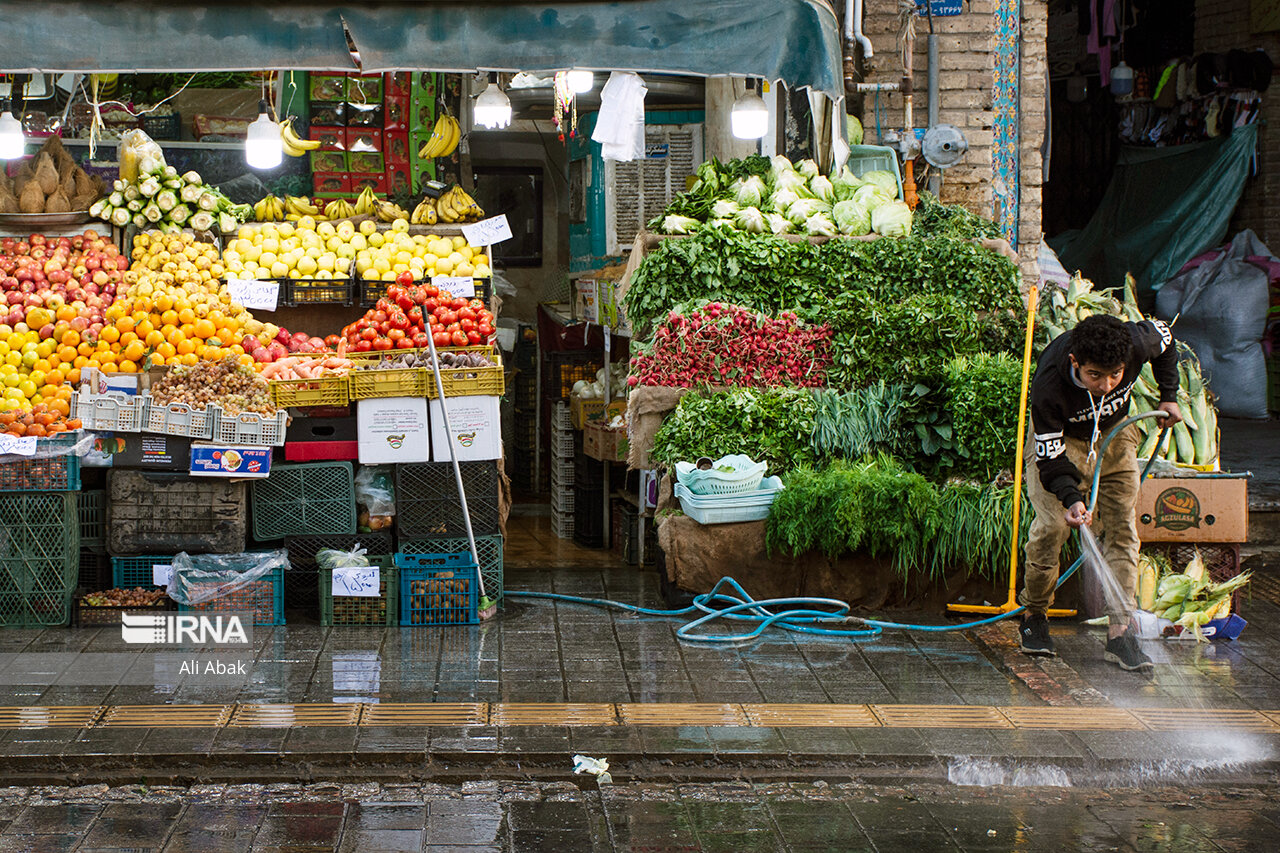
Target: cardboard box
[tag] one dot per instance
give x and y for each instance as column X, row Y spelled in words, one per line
column 138, row 450
column 607, row 445
column 328, row 86
column 581, row 411
column 328, row 115
column 331, row 182
column 95, row 381
column 328, row 161
column 474, row 429
column 1193, row 509
column 363, row 139
column 398, row 84
column 395, row 144
column 398, row 179
column 393, row 430
column 330, row 138
column 377, row 182
column 222, row 460
column 364, row 89
column 365, row 115
column 395, row 113
column 366, row 162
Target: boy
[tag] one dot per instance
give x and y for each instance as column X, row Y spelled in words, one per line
column 1080, row 392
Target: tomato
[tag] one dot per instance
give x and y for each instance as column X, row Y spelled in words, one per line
column 404, row 343
column 404, row 302
column 467, row 325
column 459, row 338
column 453, row 327
column 399, row 321
column 331, row 341
column 368, row 333
column 421, row 340
column 384, row 305
column 395, row 335
column 442, row 339
column 434, row 320
column 382, row 344
column 477, row 305
column 405, row 278
column 466, row 313
column 457, row 302
column 363, row 346
column 484, row 329
column 449, row 318
column 431, row 290
column 379, row 316
column 473, row 337
column 415, row 315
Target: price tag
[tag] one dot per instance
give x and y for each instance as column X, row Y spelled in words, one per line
column 162, row 574
column 18, row 446
column 488, row 231
column 254, row 294
column 463, row 286
column 357, row 581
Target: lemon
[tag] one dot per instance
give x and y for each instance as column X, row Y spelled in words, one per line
column 368, row 227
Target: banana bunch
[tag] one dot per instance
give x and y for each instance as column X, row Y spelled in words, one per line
column 389, row 212
column 424, row 213
column 270, row 209
column 444, row 138
column 366, row 202
column 294, row 145
column 301, row 206
column 339, row 208
column 457, row 206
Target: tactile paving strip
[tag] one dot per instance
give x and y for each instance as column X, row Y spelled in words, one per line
column 682, row 714
column 43, row 717
column 426, row 714
column 940, row 717
column 1071, row 719
column 552, row 714
column 166, row 716
column 1161, row 719
column 784, row 716
column 289, row 716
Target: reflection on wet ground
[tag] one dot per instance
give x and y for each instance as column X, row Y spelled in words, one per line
column 529, row 817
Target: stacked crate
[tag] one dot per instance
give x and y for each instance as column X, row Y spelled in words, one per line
column 562, row 471
column 525, row 473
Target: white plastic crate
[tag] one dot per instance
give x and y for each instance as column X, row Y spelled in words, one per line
column 563, row 472
column 561, row 501
column 180, row 419
column 562, row 445
column 562, row 525
column 112, row 412
column 248, row 428
column 560, row 419
column 717, row 509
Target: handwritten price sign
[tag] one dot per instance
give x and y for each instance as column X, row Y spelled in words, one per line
column 486, row 232
column 254, row 294
column 459, row 286
column 356, row 581
column 18, row 446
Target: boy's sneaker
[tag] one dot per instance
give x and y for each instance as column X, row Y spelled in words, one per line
column 1035, row 635
column 1124, row 652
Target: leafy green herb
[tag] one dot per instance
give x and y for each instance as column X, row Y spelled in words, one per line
column 857, row 423
column 775, row 426
column 932, row 218
column 983, row 392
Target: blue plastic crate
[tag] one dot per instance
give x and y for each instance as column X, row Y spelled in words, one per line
column 489, row 549
column 265, row 597
column 871, row 158
column 44, row 473
column 438, row 589
column 132, row 572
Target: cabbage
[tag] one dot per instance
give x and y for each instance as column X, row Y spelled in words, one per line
column 722, row 223
column 804, row 208
column 854, row 128
column 782, row 200
column 779, row 166
column 892, row 219
column 822, row 188
column 871, row 196
column 793, row 181
column 808, row 168
column 724, row 209
column 884, row 179
column 778, row 223
column 851, row 218
column 751, row 191
column 820, row 225
column 676, row 224
column 845, row 184
column 752, row 220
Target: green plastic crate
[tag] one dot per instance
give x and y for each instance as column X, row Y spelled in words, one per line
column 488, row 549
column 307, row 499
column 44, row 473
column 93, row 519
column 39, row 557
column 265, row 597
column 382, row 611
column 134, row 572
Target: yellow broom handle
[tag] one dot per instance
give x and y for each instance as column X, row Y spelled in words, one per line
column 1032, row 299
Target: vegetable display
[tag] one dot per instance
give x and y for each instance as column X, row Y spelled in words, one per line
column 727, row 345
column 774, row 426
column 234, row 387
column 1190, row 599
column 982, row 392
column 774, row 196
column 49, row 182
column 162, row 199
column 137, row 597
column 403, row 318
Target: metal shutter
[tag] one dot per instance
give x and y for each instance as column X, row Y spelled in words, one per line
column 638, row 191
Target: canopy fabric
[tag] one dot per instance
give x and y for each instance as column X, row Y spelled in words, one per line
column 796, row 41
column 1163, row 207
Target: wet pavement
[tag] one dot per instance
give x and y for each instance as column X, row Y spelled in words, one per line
column 558, row 817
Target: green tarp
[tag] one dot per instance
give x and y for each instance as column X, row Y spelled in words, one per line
column 1163, row 207
column 792, row 40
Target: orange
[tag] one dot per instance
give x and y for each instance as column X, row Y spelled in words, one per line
column 134, row 351
column 174, row 336
column 85, row 348
column 66, row 353
column 70, row 338
column 204, row 329
column 186, row 347
column 128, row 366
column 188, row 330
column 164, row 301
column 66, row 313
column 154, row 338
column 166, row 350
column 145, row 328
column 124, row 324
column 80, row 361
column 169, row 318
column 61, row 407
column 186, row 315
column 110, row 367
column 110, row 334
column 189, row 359
column 128, row 338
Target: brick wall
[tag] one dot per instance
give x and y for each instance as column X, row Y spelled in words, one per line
column 966, row 45
column 1222, row 25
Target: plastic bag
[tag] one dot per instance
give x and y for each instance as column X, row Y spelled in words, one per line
column 135, row 147
column 45, row 449
column 328, row 559
column 375, row 497
column 205, row 577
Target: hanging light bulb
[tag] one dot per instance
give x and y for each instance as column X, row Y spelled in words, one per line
column 263, row 148
column 749, row 117
column 581, row 81
column 1121, row 80
column 493, row 107
column 12, row 142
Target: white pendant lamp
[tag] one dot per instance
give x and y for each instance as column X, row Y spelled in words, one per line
column 13, row 143
column 493, row 107
column 749, row 117
column 263, row 148
column 580, row 81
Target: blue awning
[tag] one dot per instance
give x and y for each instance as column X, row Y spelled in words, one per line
column 795, row 41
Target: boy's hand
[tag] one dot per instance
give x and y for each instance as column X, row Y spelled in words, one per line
column 1078, row 515
column 1174, row 416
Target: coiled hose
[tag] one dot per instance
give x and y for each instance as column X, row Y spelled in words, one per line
column 802, row 615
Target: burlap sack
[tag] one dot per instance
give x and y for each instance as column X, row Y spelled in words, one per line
column 646, row 407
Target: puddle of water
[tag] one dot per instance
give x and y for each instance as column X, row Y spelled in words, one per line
column 983, row 773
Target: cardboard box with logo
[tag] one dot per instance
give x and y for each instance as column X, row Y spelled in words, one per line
column 474, row 429
column 393, row 430
column 1193, row 509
